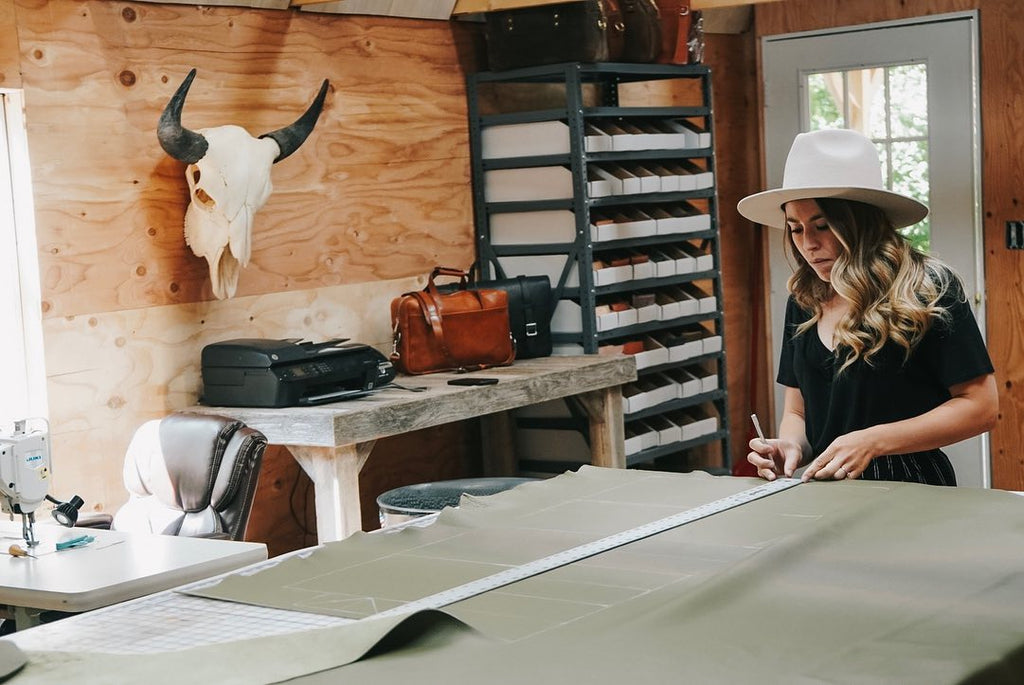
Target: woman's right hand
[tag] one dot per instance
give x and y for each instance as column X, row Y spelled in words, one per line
column 774, row 457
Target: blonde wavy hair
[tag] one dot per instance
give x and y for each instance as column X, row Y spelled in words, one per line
column 893, row 289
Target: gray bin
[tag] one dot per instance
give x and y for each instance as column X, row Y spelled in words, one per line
column 411, row 501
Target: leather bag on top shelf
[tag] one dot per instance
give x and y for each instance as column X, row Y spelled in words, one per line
column 643, row 30
column 549, row 34
column 675, row 31
column 465, row 330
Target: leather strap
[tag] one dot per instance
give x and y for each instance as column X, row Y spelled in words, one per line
column 529, row 313
column 431, row 312
column 431, row 306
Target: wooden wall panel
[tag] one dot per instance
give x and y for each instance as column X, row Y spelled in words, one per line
column 110, row 372
column 388, row 163
column 1002, row 85
column 10, row 61
column 378, row 195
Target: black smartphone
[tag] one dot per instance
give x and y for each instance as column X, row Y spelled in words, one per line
column 473, row 381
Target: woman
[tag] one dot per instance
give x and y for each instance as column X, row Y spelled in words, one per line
column 882, row 361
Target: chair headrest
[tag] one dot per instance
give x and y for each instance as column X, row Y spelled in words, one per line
column 178, row 459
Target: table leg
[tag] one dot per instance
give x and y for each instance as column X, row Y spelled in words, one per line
column 335, row 475
column 25, row 617
column 607, row 432
column 499, row 444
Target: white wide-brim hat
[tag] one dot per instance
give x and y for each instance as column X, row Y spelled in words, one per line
column 838, row 163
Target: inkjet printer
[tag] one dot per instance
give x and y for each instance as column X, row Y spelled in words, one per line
column 256, row 372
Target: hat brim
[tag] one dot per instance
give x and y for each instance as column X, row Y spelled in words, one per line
column 766, row 207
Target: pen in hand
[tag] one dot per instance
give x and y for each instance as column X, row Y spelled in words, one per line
column 760, row 434
column 757, row 427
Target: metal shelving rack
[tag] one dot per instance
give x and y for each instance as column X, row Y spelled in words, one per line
column 606, row 78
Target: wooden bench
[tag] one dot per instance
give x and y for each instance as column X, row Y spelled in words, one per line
column 333, row 441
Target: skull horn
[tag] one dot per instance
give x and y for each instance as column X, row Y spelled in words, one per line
column 180, row 143
column 291, row 137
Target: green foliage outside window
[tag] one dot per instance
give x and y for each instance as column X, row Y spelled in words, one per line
column 897, row 122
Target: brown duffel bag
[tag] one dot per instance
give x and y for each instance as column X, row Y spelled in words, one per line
column 463, row 330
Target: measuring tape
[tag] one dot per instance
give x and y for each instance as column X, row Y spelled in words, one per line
column 589, row 549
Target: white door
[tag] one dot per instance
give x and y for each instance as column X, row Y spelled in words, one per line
column 912, row 87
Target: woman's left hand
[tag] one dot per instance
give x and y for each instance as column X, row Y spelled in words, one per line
column 846, row 457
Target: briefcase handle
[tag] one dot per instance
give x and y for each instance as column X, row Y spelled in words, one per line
column 448, row 271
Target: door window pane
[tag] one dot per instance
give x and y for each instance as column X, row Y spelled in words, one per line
column 890, row 105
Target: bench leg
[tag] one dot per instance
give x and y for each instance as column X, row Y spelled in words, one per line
column 335, row 475
column 607, row 432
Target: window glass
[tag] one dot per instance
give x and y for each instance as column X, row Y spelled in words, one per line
column 21, row 345
column 890, row 105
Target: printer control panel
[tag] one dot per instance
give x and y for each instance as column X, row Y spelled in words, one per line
column 307, row 370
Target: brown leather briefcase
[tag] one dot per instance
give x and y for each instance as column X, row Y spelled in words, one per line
column 463, row 330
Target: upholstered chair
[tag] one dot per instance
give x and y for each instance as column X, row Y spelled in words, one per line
column 189, row 474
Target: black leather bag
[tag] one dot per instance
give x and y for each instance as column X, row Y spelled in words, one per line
column 643, row 30
column 529, row 310
column 549, row 34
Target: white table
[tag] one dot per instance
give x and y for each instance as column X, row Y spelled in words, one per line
column 115, row 567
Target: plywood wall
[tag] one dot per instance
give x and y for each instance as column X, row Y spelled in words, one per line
column 1002, row 24
column 378, row 195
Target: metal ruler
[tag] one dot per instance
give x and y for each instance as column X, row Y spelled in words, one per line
column 589, row 549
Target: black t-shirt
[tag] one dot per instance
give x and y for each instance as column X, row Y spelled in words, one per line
column 890, row 389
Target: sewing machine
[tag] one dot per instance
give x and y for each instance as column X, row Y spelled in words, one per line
column 25, row 478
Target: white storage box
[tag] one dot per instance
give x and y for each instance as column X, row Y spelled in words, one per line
column 667, row 180
column 704, row 261
column 606, row 274
column 597, row 186
column 627, row 315
column 538, row 183
column 650, row 182
column 533, row 228
column 706, row 303
column 676, row 303
column 689, row 385
column 633, row 398
column 689, row 429
column 701, row 177
column 664, row 266
column 620, row 139
column 707, row 373
column 711, row 344
column 681, row 218
column 681, row 346
column 654, row 354
column 621, row 224
column 616, row 182
column 706, row 422
column 643, row 266
column 667, row 431
column 536, row 138
column 685, row 263
column 650, row 312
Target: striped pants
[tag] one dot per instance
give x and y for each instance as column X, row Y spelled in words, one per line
column 931, row 468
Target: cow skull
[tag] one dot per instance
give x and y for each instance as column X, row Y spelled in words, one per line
column 228, row 176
